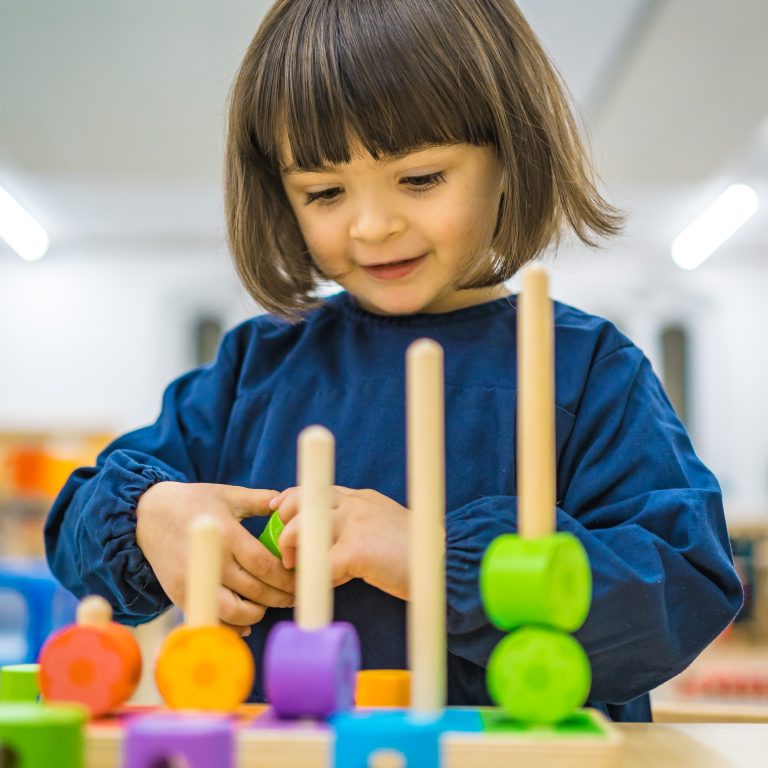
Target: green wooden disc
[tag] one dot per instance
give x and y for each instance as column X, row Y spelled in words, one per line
column 538, row 675
column 271, row 534
column 18, row 683
column 545, row 581
column 42, row 735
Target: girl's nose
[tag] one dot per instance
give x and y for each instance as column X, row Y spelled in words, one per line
column 374, row 224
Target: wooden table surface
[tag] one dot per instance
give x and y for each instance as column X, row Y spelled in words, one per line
column 695, row 745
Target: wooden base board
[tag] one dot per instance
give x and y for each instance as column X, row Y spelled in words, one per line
column 538, row 748
column 311, row 747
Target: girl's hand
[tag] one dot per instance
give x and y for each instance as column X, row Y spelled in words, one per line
column 369, row 537
column 252, row 578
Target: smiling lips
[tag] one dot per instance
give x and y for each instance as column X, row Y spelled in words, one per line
column 394, row 269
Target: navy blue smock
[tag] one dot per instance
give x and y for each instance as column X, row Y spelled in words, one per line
column 629, row 484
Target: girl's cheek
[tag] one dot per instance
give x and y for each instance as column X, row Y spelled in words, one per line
column 320, row 239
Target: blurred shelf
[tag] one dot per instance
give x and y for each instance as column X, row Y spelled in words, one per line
column 728, row 682
column 708, row 712
column 34, row 466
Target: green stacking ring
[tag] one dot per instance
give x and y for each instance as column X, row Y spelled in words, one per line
column 40, row 734
column 545, row 581
column 270, row 535
column 538, row 675
column 18, row 682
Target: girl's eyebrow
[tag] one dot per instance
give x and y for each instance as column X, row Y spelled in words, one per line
column 293, row 168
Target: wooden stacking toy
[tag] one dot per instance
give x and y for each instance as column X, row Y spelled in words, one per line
column 310, row 666
column 94, row 662
column 202, row 664
column 538, row 673
column 538, row 579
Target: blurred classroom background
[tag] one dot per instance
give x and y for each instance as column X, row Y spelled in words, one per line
column 112, row 122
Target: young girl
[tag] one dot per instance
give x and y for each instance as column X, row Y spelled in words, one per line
column 417, row 153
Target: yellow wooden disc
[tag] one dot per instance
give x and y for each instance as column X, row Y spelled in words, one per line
column 208, row 668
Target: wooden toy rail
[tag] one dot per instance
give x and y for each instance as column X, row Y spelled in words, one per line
column 309, row 745
column 700, row 745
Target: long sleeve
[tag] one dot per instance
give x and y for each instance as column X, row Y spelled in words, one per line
column 650, row 517
column 90, row 533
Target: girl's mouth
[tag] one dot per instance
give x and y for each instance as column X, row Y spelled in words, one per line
column 395, row 269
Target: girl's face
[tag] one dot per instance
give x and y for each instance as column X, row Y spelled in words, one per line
column 396, row 232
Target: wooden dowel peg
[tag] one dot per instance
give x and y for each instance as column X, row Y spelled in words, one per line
column 204, row 566
column 314, row 592
column 535, row 407
column 93, row 611
column 426, row 501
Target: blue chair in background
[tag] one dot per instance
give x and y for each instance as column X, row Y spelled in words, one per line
column 32, row 605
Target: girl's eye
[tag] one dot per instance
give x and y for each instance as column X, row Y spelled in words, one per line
column 325, row 196
column 423, row 183
column 419, row 184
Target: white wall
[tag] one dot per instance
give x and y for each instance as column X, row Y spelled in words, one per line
column 723, row 307
column 89, row 343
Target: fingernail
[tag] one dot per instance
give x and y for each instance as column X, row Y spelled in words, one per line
column 274, row 502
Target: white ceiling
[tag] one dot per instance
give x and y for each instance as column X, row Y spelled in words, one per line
column 112, row 113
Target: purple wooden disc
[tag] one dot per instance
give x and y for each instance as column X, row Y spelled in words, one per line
column 311, row 672
column 200, row 740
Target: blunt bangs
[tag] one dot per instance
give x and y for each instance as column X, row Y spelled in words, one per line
column 369, row 71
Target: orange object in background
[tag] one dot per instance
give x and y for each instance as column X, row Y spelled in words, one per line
column 383, row 688
column 37, row 466
column 56, row 471
column 25, row 464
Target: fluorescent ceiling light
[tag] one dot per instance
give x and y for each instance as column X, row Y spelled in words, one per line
column 20, row 230
column 713, row 226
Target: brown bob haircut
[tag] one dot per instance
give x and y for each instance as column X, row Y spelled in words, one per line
column 396, row 75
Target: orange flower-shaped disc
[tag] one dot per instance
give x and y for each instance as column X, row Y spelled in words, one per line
column 97, row 666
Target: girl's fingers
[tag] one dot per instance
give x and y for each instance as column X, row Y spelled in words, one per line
column 277, row 500
column 289, row 501
column 242, row 631
column 289, row 557
column 288, row 504
column 341, row 565
column 249, row 502
column 259, row 562
column 289, row 538
column 248, row 586
column 238, row 611
column 289, row 542
column 289, row 514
